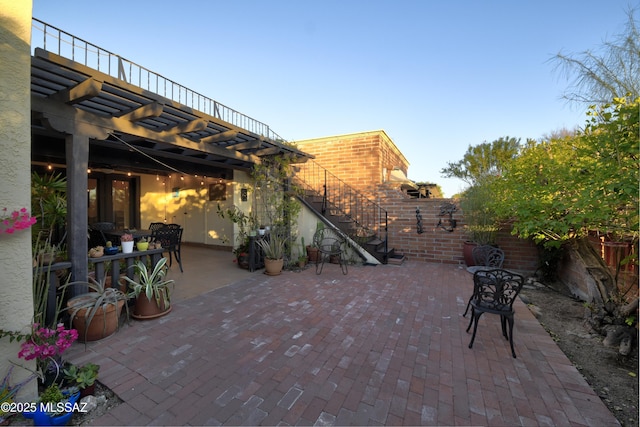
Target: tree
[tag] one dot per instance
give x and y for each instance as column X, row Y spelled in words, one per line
column 558, row 191
column 480, row 161
column 598, row 77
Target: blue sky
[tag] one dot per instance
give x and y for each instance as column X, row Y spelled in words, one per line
column 437, row 76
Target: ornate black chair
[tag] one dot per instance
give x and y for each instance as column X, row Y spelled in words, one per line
column 331, row 246
column 494, row 291
column 96, row 233
column 488, row 256
column 485, row 257
column 156, row 226
column 171, row 239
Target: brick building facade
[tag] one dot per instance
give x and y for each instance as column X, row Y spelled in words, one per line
column 365, row 161
column 362, row 160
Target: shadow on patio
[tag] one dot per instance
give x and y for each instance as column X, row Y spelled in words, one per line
column 382, row 345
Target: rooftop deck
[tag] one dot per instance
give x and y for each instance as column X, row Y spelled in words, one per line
column 383, row 345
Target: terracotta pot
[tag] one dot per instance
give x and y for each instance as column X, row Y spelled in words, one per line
column 88, row 391
column 467, row 252
column 103, row 324
column 312, row 253
column 145, row 309
column 243, row 260
column 273, row 267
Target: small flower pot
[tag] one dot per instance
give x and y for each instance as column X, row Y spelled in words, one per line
column 127, row 247
column 142, row 246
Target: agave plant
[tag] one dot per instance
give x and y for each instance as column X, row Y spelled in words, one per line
column 96, row 301
column 151, row 282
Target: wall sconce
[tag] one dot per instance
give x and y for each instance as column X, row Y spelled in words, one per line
column 449, row 224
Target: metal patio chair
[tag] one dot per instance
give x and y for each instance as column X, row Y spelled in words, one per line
column 171, row 240
column 331, row 245
column 485, row 257
column 494, row 291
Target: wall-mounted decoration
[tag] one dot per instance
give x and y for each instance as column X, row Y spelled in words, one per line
column 175, row 192
column 419, row 221
column 244, row 195
column 449, row 224
column 217, row 192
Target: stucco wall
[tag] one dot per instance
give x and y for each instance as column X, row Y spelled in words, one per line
column 16, row 305
column 185, row 201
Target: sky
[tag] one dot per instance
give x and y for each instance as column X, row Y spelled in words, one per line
column 436, row 76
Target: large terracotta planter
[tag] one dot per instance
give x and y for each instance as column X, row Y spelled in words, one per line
column 467, row 252
column 145, row 309
column 273, row 267
column 103, row 324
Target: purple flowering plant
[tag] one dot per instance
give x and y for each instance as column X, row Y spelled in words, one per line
column 16, row 220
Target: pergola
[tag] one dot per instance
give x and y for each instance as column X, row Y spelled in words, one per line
column 85, row 118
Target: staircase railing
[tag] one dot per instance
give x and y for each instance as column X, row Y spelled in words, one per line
column 366, row 218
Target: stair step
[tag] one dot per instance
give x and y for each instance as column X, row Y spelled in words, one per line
column 396, row 259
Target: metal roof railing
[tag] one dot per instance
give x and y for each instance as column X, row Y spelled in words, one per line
column 54, row 40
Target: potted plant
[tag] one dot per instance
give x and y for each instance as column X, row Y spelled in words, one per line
column 126, row 240
column 273, row 251
column 302, row 260
column 96, row 314
column 83, row 377
column 302, row 257
column 245, row 223
column 152, row 291
column 142, row 244
column 109, row 249
column 312, row 250
column 480, row 221
column 54, row 406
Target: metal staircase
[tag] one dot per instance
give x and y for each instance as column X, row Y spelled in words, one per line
column 362, row 220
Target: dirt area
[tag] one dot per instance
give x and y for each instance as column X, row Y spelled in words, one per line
column 614, row 379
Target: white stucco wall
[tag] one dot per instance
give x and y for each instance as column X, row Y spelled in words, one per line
column 191, row 208
column 185, row 201
column 16, row 305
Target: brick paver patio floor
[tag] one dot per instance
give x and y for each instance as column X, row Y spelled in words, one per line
column 382, row 345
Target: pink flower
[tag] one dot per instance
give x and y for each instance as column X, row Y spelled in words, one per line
column 17, row 220
column 47, row 343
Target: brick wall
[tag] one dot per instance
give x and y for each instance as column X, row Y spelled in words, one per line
column 436, row 244
column 360, row 160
